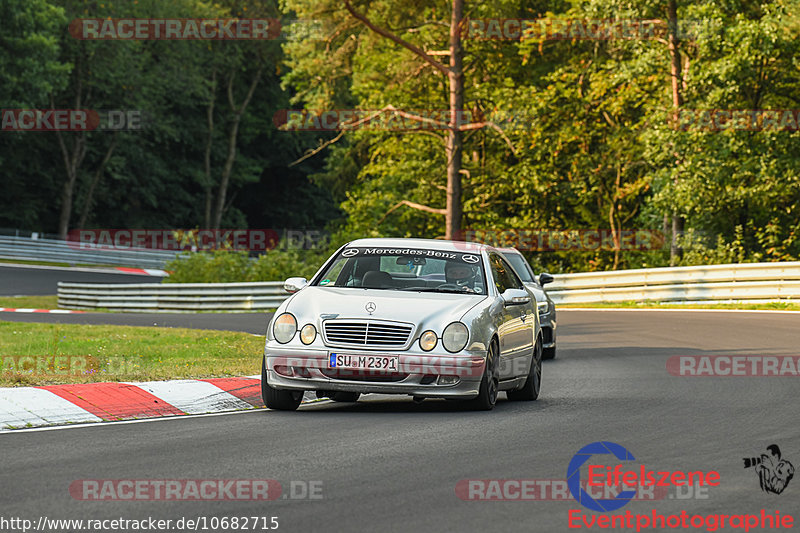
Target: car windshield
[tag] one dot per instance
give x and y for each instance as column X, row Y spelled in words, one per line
column 520, row 266
column 405, row 269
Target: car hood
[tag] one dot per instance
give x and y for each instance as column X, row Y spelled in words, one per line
column 403, row 306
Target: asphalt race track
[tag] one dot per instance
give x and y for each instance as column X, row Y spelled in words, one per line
column 388, row 464
column 36, row 280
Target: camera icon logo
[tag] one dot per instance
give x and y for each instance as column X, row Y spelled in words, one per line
column 774, row 472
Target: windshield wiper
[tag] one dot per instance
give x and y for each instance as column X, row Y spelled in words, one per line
column 463, row 290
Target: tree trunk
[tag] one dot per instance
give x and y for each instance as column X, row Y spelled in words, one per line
column 72, row 161
column 454, row 146
column 66, row 202
column 676, row 251
column 222, row 192
column 87, row 205
column 226, row 172
column 675, row 248
column 208, row 186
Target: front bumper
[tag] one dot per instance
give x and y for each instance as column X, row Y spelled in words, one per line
column 418, row 372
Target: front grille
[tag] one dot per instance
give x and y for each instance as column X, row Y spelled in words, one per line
column 364, row 375
column 367, row 333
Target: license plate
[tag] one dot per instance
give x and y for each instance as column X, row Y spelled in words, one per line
column 364, row 362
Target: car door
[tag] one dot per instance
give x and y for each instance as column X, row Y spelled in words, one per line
column 515, row 329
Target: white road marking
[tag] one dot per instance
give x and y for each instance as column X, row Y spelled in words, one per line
column 144, row 420
column 193, row 397
column 20, row 406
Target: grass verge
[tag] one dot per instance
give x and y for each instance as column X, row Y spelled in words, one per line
column 30, row 302
column 45, row 354
column 772, row 306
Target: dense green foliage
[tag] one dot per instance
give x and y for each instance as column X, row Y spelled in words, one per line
column 594, row 146
column 222, row 266
column 589, row 142
column 154, row 177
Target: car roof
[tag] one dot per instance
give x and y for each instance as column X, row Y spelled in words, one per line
column 432, row 244
column 508, row 251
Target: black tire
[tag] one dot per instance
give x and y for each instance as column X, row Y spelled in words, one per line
column 349, row 397
column 487, row 393
column 530, row 391
column 549, row 353
column 282, row 400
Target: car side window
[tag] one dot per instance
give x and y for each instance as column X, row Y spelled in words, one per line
column 503, row 274
column 496, row 268
column 513, row 280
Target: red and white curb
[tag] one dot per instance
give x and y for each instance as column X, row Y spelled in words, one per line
column 22, row 407
column 94, row 270
column 25, row 310
column 144, row 271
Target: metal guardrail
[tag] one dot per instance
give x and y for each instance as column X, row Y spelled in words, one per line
column 753, row 282
column 172, row 297
column 57, row 251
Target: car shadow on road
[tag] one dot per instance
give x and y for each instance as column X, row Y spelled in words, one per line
column 399, row 404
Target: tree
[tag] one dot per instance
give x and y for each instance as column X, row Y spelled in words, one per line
column 426, row 37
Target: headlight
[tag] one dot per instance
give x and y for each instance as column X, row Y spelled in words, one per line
column 284, row 328
column 455, row 337
column 308, row 334
column 427, row 341
column 543, row 307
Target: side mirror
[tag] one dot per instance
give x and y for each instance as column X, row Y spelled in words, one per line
column 292, row 285
column 516, row 297
column 545, row 278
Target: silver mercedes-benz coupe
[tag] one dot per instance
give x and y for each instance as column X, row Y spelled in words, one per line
column 425, row 318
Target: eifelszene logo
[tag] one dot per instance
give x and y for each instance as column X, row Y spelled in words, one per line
column 574, row 476
column 610, row 477
column 774, row 473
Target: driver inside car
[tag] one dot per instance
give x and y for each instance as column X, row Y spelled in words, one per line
column 460, row 274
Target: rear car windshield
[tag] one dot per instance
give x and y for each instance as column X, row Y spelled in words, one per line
column 405, row 269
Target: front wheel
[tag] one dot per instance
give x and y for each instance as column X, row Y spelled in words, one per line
column 282, row 400
column 549, row 353
column 487, row 393
column 530, row 391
